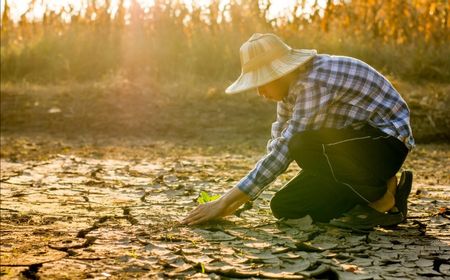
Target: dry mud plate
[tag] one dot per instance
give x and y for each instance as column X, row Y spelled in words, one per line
column 75, row 217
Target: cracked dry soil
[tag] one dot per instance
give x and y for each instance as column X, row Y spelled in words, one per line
column 103, row 217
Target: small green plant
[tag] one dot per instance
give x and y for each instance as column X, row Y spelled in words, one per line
column 202, row 265
column 132, row 253
column 204, row 197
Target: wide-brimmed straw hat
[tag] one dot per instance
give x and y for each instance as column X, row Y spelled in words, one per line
column 266, row 58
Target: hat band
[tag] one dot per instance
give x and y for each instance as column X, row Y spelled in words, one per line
column 261, row 60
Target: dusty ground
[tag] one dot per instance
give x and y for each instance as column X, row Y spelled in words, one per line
column 110, row 212
column 94, row 179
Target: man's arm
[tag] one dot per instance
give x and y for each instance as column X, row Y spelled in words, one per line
column 234, row 198
column 227, row 204
column 310, row 99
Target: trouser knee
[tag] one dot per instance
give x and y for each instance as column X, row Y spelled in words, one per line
column 275, row 206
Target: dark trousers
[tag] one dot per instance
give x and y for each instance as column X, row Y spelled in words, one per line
column 340, row 168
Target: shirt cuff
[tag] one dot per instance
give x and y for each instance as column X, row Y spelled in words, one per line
column 249, row 188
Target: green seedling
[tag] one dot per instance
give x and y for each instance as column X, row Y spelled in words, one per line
column 132, row 253
column 204, row 197
column 203, row 267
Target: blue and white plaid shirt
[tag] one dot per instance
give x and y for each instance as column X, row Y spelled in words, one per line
column 334, row 92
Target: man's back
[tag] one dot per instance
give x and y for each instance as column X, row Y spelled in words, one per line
column 339, row 91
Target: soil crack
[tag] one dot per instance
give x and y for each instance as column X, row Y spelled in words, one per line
column 88, row 242
column 82, row 233
column 127, row 215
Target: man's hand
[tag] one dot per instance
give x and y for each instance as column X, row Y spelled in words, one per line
column 206, row 212
column 225, row 205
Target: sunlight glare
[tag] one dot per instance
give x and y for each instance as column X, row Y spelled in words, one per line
column 21, row 7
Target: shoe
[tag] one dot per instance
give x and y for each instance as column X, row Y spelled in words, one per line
column 363, row 217
column 402, row 193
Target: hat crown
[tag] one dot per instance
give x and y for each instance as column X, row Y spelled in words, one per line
column 265, row 58
column 260, row 50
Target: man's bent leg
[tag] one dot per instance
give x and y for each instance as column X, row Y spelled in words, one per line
column 362, row 160
column 316, row 195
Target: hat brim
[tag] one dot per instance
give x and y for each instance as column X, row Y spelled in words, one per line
column 271, row 72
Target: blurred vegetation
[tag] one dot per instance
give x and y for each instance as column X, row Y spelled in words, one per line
column 170, row 41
